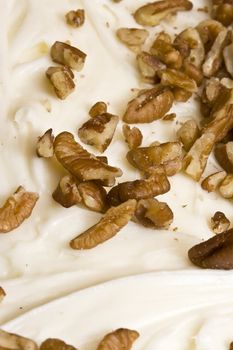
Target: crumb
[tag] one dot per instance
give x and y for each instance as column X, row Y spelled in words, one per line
column 184, row 206
column 175, row 229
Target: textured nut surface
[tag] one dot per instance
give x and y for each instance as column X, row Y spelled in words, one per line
column 55, row 344
column 213, row 181
column 44, row 147
column 68, row 55
column 67, row 193
column 149, row 65
column 215, row 253
column 110, row 224
column 193, row 72
column 80, row 162
column 75, row 18
column 209, row 30
column 224, row 155
column 219, row 222
column 99, row 131
column 166, row 53
column 93, row 196
column 181, row 95
column 175, row 78
column 152, row 13
column 16, row 342
column 212, row 89
column 150, row 105
column 188, row 133
column 97, row 109
column 61, row 79
column 226, row 187
column 120, row 339
column 16, row 209
column 227, row 55
column 134, row 38
column 224, row 14
column 154, row 214
column 2, row 294
column 132, row 136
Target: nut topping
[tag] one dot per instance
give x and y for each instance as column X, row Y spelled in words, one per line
column 10, row 341
column 219, row 222
column 93, row 195
column 67, row 193
column 166, row 53
column 134, row 38
column 175, row 78
column 68, row 55
column 110, row 224
column 152, row 13
column 150, row 105
column 213, row 181
column 99, row 131
column 120, row 339
column 181, row 95
column 97, row 109
column 61, row 79
column 80, row 162
column 17, row 208
column 44, row 147
column 224, row 155
column 55, row 344
column 75, row 18
column 227, row 55
column 215, row 253
column 188, row 134
column 224, row 14
column 209, row 30
column 2, row 294
column 149, row 65
column 226, row 187
column 132, row 136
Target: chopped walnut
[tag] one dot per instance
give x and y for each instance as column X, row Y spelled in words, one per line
column 154, row 214
column 213, row 181
column 11, row 341
column 132, row 136
column 55, row 344
column 150, row 105
column 152, row 13
column 209, row 30
column 120, row 339
column 93, row 195
column 193, row 72
column 80, row 162
column 75, row 18
column 149, row 65
column 224, row 14
column 99, row 131
column 134, row 38
column 188, row 133
column 175, row 78
column 228, row 54
column 67, row 193
column 166, row 53
column 2, row 295
column 224, row 155
column 219, row 222
column 211, row 91
column 97, row 109
column 61, row 79
column 110, row 224
column 16, row 209
column 226, row 187
column 44, row 147
column 181, row 95
column 154, row 184
column 68, row 55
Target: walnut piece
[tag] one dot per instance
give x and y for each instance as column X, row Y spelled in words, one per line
column 68, row 55
column 175, row 78
column 153, row 13
column 99, row 131
column 213, row 181
column 166, row 53
column 181, row 95
column 67, row 193
column 110, row 224
column 227, row 55
column 134, row 38
column 55, row 344
column 224, row 156
column 169, row 117
column 132, row 136
column 16, row 209
column 193, row 72
column 209, row 30
column 75, row 18
column 97, row 109
column 93, row 195
column 150, row 105
column 2, row 294
column 61, row 79
column 79, row 162
column 224, row 14
column 44, row 147
column 153, row 214
column 120, row 339
column 10, row 341
column 149, row 65
column 226, row 187
column 188, row 133
column 219, row 222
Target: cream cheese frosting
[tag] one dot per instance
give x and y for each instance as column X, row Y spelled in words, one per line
column 141, row 278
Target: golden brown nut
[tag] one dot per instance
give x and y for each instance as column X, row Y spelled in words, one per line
column 193, row 72
column 99, row 131
column 152, row 13
column 16, row 342
column 188, row 133
column 219, row 222
column 175, row 78
column 133, row 38
column 81, row 163
column 211, row 91
column 120, row 339
column 209, row 30
column 132, row 136
column 61, row 79
column 166, row 53
column 17, row 208
column 149, row 65
column 154, row 214
column 97, row 109
column 2, row 295
column 55, row 344
column 154, row 184
column 67, row 193
column 68, row 55
column 93, row 195
column 227, row 55
column 226, row 187
column 110, row 224
column 213, row 181
column 181, row 95
column 150, row 105
column 169, row 117
column 75, row 18
column 44, row 147
column 224, row 155
column 224, row 14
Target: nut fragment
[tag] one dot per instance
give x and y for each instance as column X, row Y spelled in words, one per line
column 155, row 183
column 67, row 193
column 209, row 30
column 44, row 147
column 150, row 105
column 166, row 53
column 99, row 131
column 134, row 38
column 193, row 72
column 181, row 95
column 154, row 214
column 224, row 155
column 149, row 65
column 224, row 14
column 219, row 222
column 68, row 55
column 62, row 80
column 2, row 295
column 110, row 224
column 228, row 54
column 132, row 136
column 175, row 78
column 55, row 344
column 152, row 13
column 75, row 18
column 188, row 133
column 213, row 181
column 93, row 195
column 226, row 187
column 120, row 339
column 97, row 109
column 10, row 341
column 17, row 208
column 215, row 253
column 80, row 162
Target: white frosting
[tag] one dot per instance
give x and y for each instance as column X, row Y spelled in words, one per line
column 175, row 307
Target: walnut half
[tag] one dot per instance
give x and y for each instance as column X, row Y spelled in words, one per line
column 10, row 341
column 120, row 339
